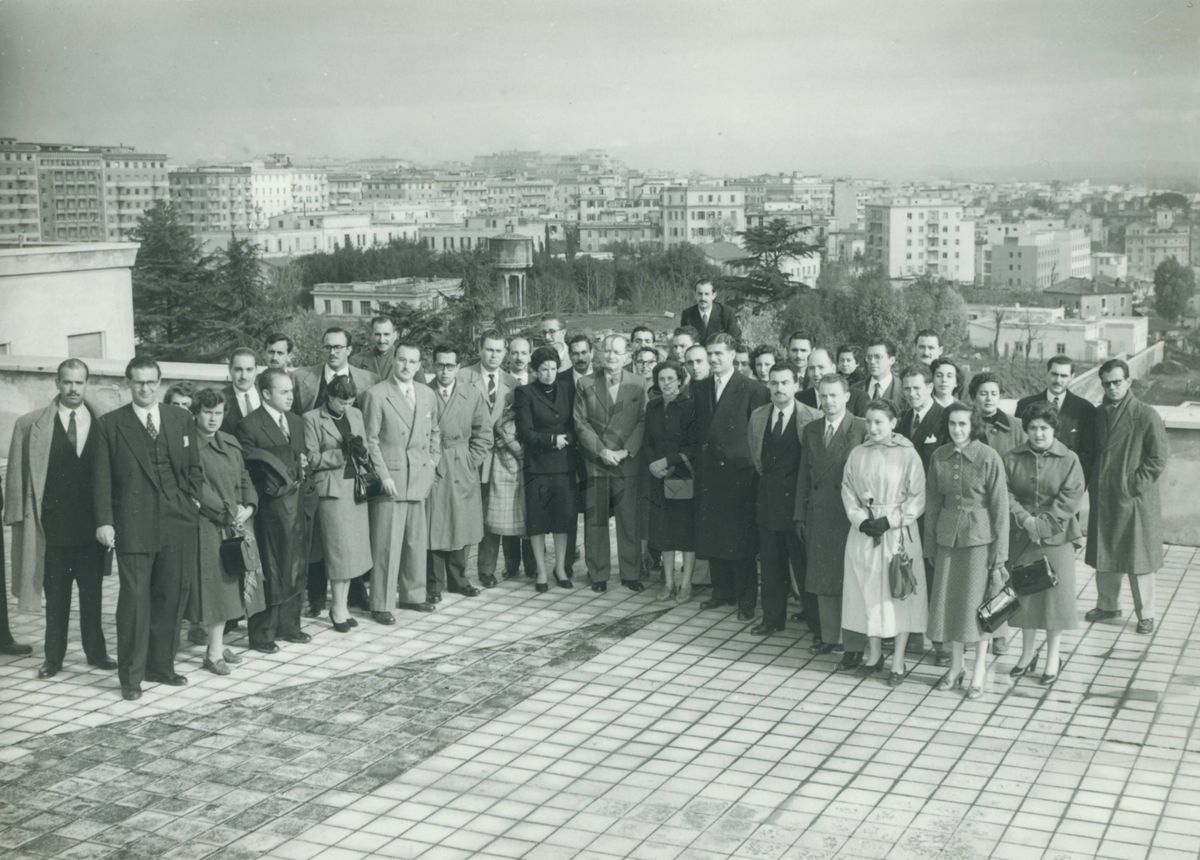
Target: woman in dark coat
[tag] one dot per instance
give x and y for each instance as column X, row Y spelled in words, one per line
column 672, row 521
column 1045, row 492
column 227, row 501
column 546, row 430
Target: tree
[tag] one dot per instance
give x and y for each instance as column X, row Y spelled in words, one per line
column 932, row 303
column 767, row 247
column 1174, row 285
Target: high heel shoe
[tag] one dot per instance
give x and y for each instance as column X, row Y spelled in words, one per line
column 684, row 593
column 975, row 691
column 895, row 679
column 1018, row 670
column 563, row 583
column 868, row 669
column 541, row 587
column 1048, row 680
column 339, row 626
column 946, row 682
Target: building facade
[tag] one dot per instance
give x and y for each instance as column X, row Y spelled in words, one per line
column 911, row 237
column 363, row 299
column 1148, row 245
column 1034, row 260
column 702, row 214
column 20, row 215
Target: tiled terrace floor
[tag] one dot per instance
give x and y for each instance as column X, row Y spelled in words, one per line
column 575, row 725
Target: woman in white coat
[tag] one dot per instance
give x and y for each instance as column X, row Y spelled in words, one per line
column 883, row 490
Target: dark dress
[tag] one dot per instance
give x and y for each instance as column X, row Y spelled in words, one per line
column 215, row 596
column 541, row 413
column 672, row 524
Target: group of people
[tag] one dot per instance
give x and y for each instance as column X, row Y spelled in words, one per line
column 364, row 481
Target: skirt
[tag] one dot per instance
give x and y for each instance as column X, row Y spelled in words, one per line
column 550, row 504
column 344, row 532
column 505, row 511
column 960, row 581
column 214, row 596
column 1053, row 609
column 672, row 522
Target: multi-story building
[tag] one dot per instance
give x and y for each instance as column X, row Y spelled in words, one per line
column 523, row 195
column 1110, row 265
column 296, row 233
column 1148, row 245
column 910, row 237
column 1090, row 298
column 20, row 219
column 244, row 197
column 345, row 190
column 595, row 238
column 363, row 299
column 1035, row 260
column 71, row 193
column 702, row 213
column 410, row 187
column 133, row 183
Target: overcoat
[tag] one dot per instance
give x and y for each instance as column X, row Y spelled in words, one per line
column 455, row 511
column 600, row 423
column 341, row 536
column 1076, row 425
column 1048, row 487
column 475, row 375
column 28, row 459
column 1005, row 433
column 819, row 509
column 1125, row 532
column 726, row 482
column 403, row 439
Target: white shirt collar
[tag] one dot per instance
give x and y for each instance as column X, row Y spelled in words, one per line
column 446, row 392
column 835, row 423
column 273, row 412
column 240, row 397
column 330, row 373
column 141, row 412
column 884, row 384
column 787, row 412
column 83, row 421
column 1052, row 397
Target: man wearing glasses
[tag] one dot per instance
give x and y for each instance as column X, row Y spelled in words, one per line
column 310, row 382
column 554, row 334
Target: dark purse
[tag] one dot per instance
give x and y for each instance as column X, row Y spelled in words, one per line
column 679, row 488
column 901, row 581
column 239, row 553
column 997, row 609
column 367, row 483
column 1033, row 578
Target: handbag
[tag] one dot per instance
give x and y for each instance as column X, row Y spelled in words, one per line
column 239, row 553
column 997, row 609
column 1034, row 577
column 679, row 488
column 367, row 485
column 901, row 581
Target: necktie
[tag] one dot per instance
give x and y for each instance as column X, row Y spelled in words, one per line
column 778, row 423
column 718, row 388
column 445, row 395
column 408, row 394
column 704, row 318
column 875, row 391
column 249, row 408
column 828, row 433
column 284, row 428
column 150, row 428
column 1057, row 403
column 73, row 433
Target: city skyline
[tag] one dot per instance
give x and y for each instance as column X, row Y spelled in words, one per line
column 935, row 89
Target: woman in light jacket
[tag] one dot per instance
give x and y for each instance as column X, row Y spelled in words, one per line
column 883, row 490
column 966, row 535
column 331, row 435
column 1045, row 492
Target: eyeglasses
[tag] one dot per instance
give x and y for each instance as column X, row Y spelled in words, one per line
column 334, row 347
column 446, row 365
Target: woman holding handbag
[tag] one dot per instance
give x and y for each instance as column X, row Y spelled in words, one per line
column 1045, row 491
column 883, row 490
column 669, row 418
column 333, row 436
column 227, row 500
column 966, row 534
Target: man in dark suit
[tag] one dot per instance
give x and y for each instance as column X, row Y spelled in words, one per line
column 145, row 477
column 381, row 358
column 610, row 418
column 725, row 484
column 800, row 346
column 922, row 422
column 241, row 394
column 310, row 382
column 272, row 438
column 821, row 364
column 775, row 433
column 579, row 349
column 881, row 384
column 50, row 461
column 709, row 317
column 1076, row 416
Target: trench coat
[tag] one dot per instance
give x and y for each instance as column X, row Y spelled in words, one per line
column 341, row 536
column 1125, row 532
column 455, row 511
column 820, row 514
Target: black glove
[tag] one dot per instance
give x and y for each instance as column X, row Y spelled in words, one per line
column 875, row 528
column 356, row 448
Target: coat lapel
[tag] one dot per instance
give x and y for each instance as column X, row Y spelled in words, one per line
column 40, row 435
column 132, row 432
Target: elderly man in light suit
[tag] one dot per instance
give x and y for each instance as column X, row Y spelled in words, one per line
column 405, row 444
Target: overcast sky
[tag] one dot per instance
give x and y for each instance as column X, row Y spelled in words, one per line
column 886, row 87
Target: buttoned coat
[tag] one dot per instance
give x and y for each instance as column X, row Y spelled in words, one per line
column 726, row 483
column 720, row 319
column 602, row 423
column 1047, row 486
column 233, row 411
column 820, row 513
column 404, row 440
column 474, row 376
column 1076, row 425
column 761, row 417
column 307, row 382
column 966, row 501
column 325, row 448
column 455, row 505
column 1005, row 433
column 28, row 461
column 1125, row 532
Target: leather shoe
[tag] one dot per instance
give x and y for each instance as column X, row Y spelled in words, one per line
column 47, row 671
column 313, row 611
column 1101, row 614
column 466, row 591
column 541, row 587
column 217, row 668
column 197, row 635
column 172, row 680
column 131, row 693
column 765, row 629
column 264, row 647
column 433, row 596
column 851, row 660
column 599, row 587
column 15, row 649
column 512, row 574
column 299, row 638
column 416, row 607
column 487, row 580
column 339, row 626
column 1146, row 625
column 745, row 616
column 714, row 604
column 634, row 585
column 230, row 658
column 107, row 663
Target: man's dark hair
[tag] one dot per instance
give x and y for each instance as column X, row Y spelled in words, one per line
column 180, row 389
column 243, row 350
column 917, row 369
column 1060, row 359
column 276, row 337
column 690, row 331
column 380, row 320
column 835, row 377
column 491, row 334
column 579, row 338
column 644, row 328
column 1111, row 365
column 336, row 329
column 852, row 348
column 266, row 379
column 784, row 367
column 205, row 398
column 141, row 362
column 928, row 332
column 886, row 344
column 722, row 338
column 801, row 335
column 444, row 349
column 72, row 364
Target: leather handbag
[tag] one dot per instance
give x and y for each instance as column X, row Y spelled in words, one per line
column 997, row 609
column 1033, row 578
column 239, row 553
column 367, row 485
column 679, row 488
column 901, row 581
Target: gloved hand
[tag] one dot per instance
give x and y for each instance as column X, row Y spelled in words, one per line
column 874, row 527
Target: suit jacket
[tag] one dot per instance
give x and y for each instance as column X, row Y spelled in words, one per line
column 567, row 380
column 381, row 366
column 307, row 381
column 894, row 393
column 473, row 375
column 856, row 405
column 125, row 487
column 325, row 447
column 404, row 440
column 927, row 436
column 539, row 419
column 1076, row 426
column 28, row 461
column 233, row 410
column 761, row 416
column 601, row 423
column 720, row 319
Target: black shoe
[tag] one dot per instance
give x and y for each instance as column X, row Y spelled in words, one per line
column 867, row 669
column 715, row 603
column 352, row 621
column 512, row 574
column 599, row 587
column 106, row 663
column 798, row 616
column 895, row 679
column 47, row 671
column 417, row 607
column 564, row 583
column 264, row 647
column 15, row 649
column 1101, row 614
column 383, row 618
column 465, row 591
column 745, row 616
column 541, row 587
column 487, row 580
column 131, row 693
column 339, row 626
column 633, row 585
column 172, row 680
column 851, row 660
column 1018, row 670
column 1048, row 680
column 1145, row 625
column 313, row 611
column 765, row 629
column 299, row 638
column 434, row 597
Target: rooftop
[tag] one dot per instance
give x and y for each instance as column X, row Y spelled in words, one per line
column 1098, row 286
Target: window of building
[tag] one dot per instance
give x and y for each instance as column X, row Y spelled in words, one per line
column 89, row 345
column 328, row 306
column 347, row 306
column 364, row 308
